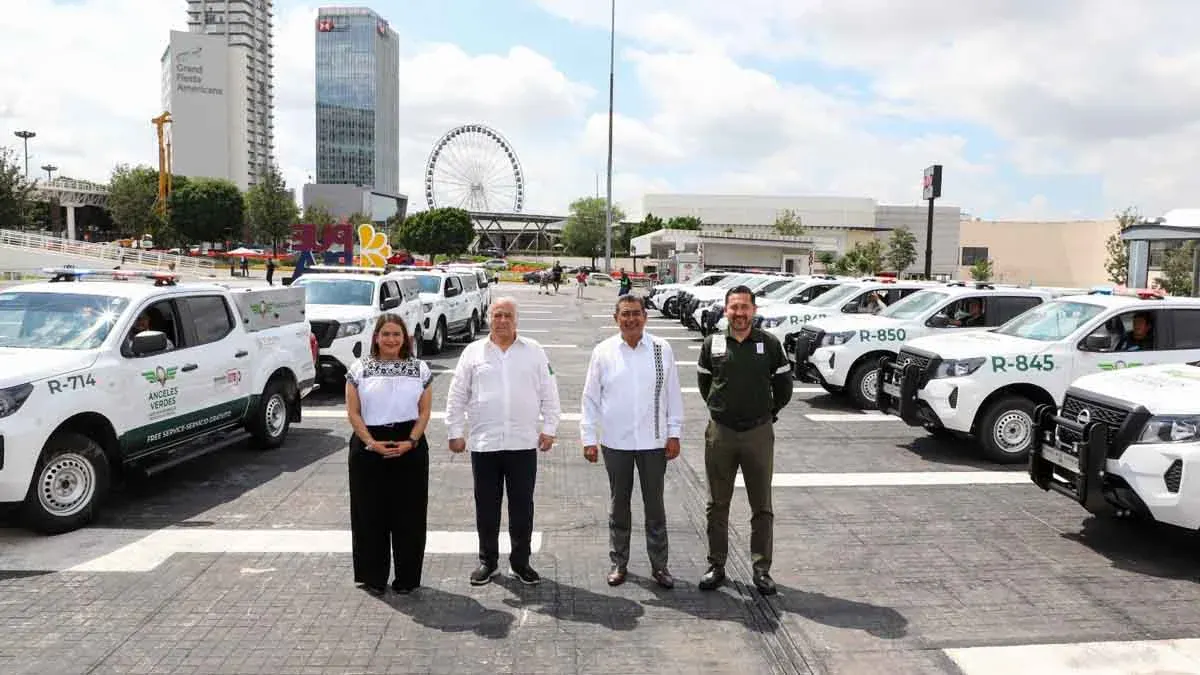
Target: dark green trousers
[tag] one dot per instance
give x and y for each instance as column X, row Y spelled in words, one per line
column 753, row 451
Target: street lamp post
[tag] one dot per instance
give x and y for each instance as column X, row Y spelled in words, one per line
column 612, row 42
column 49, row 169
column 25, row 136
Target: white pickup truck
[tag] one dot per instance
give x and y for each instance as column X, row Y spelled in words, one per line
column 98, row 379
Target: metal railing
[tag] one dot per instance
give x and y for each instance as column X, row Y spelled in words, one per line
column 109, row 252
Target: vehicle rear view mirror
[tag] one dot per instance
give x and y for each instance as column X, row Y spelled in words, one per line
column 390, row 303
column 1096, row 343
column 939, row 321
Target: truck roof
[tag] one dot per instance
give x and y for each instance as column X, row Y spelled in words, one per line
column 134, row 290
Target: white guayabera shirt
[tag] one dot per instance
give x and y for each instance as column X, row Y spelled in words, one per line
column 631, row 399
column 503, row 399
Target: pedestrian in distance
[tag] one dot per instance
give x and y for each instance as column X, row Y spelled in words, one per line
column 633, row 414
column 502, row 385
column 626, row 284
column 388, row 400
column 745, row 380
column 580, row 283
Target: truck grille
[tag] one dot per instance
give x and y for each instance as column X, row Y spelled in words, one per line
column 905, row 356
column 1173, row 476
column 325, row 331
column 1112, row 417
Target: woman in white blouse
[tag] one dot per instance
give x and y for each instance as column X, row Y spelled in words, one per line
column 388, row 398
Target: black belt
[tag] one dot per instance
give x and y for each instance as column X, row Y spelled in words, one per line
column 742, row 425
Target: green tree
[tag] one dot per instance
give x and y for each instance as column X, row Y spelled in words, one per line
column 270, row 209
column 584, row 234
column 132, row 192
column 865, row 258
column 1117, row 264
column 841, row 265
column 206, row 209
column 827, row 259
column 440, row 231
column 788, row 223
column 683, row 223
column 650, row 223
column 982, row 270
column 1177, row 270
column 15, row 192
column 901, row 250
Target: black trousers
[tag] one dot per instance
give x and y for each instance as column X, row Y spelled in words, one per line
column 515, row 470
column 389, row 501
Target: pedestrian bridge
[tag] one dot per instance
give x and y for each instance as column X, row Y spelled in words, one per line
column 71, row 193
column 28, row 252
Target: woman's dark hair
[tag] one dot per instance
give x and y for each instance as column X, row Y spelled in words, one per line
column 393, row 318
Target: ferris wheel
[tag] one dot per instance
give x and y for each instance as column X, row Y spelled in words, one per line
column 473, row 167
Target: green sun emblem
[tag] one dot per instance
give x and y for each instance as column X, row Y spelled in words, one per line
column 160, row 375
column 261, row 308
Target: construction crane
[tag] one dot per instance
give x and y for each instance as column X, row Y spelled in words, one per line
column 164, row 163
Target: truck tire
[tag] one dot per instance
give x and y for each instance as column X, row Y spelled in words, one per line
column 418, row 344
column 438, row 342
column 1006, row 430
column 271, row 419
column 473, row 327
column 861, row 384
column 69, row 484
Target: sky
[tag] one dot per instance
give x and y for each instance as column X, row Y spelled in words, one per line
column 1067, row 109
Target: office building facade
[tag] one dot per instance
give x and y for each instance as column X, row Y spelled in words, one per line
column 357, row 99
column 245, row 27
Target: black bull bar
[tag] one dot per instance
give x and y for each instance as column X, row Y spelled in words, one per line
column 896, row 391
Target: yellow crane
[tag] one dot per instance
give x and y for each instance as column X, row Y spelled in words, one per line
column 164, row 163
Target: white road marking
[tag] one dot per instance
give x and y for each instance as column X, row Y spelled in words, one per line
column 546, row 346
column 121, row 550
column 852, row 417
column 656, row 328
column 533, row 330
column 1133, row 657
column 339, row 413
column 685, row 363
column 895, row 479
column 533, row 311
column 691, row 338
column 797, row 390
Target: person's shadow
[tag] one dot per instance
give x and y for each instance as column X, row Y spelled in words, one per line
column 451, row 613
column 878, row 621
column 571, row 603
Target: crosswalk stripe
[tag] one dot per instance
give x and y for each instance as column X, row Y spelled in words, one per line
column 895, row 479
column 340, row 413
column 1081, row 658
column 851, row 417
column 127, row 550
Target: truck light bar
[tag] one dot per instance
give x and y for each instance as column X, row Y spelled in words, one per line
column 69, row 273
column 1143, row 293
column 346, row 269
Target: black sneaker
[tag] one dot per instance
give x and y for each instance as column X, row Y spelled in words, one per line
column 526, row 575
column 484, row 574
column 764, row 583
column 712, row 578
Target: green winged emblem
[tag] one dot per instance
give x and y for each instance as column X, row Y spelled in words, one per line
column 160, row 375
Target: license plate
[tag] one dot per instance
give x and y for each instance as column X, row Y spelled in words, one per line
column 891, row 389
column 1060, row 458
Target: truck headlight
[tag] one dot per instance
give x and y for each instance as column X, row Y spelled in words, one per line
column 1170, row 430
column 13, row 398
column 958, row 367
column 772, row 321
column 351, row 328
column 427, row 306
column 834, row 339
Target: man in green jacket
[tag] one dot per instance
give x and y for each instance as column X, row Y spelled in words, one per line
column 745, row 379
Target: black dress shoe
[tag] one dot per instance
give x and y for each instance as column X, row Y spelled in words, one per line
column 376, row 591
column 764, row 583
column 617, row 576
column 712, row 578
column 484, row 574
column 402, row 590
column 664, row 579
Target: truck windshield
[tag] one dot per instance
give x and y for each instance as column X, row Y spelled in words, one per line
column 1050, row 321
column 914, row 305
column 320, row 291
column 784, row 290
column 57, row 320
column 429, row 283
column 835, row 295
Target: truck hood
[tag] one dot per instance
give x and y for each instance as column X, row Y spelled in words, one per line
column 844, row 322
column 18, row 366
column 339, row 313
column 1166, row 389
column 976, row 343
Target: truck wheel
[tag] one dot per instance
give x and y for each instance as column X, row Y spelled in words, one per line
column 418, row 344
column 473, row 327
column 69, row 483
column 272, row 419
column 668, row 308
column 1007, row 429
column 861, row 385
column 439, row 338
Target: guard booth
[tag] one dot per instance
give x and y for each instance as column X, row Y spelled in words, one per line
column 1175, row 225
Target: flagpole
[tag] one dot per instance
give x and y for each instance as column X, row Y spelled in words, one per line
column 612, row 42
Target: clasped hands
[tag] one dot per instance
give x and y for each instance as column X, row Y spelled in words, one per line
column 391, row 448
column 545, row 442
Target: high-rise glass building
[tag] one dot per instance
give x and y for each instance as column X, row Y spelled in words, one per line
column 358, row 99
column 245, row 26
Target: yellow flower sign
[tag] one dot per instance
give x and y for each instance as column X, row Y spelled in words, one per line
column 373, row 247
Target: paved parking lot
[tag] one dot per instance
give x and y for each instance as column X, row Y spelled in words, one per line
column 895, row 553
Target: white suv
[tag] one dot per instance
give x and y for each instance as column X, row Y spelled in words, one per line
column 987, row 384
column 343, row 304
column 450, row 310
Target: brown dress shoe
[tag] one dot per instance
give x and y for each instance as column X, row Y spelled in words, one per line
column 664, row 579
column 617, row 576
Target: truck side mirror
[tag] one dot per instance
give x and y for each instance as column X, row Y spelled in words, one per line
column 939, row 321
column 1096, row 343
column 149, row 342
